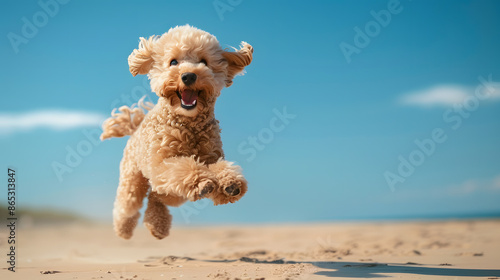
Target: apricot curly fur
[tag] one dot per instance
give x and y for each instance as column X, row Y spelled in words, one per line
column 125, row 122
column 175, row 153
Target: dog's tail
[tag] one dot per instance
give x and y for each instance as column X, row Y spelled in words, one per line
column 126, row 121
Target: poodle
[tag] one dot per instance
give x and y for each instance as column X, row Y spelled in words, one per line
column 174, row 153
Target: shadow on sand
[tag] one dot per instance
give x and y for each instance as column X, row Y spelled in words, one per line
column 376, row 270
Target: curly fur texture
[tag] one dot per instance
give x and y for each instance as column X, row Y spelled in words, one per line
column 175, row 151
column 126, row 121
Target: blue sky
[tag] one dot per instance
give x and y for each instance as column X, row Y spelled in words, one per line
column 412, row 71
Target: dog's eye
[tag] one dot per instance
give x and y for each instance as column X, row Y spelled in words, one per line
column 203, row 61
column 174, row 62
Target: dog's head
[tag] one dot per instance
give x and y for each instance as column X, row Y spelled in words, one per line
column 188, row 67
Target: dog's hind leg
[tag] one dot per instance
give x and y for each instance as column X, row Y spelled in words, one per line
column 129, row 196
column 157, row 218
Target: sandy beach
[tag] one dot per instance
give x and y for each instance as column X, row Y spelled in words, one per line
column 468, row 249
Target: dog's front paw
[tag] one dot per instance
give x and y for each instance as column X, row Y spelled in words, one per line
column 232, row 190
column 200, row 189
column 184, row 177
column 204, row 189
column 231, row 183
column 192, row 189
column 232, row 187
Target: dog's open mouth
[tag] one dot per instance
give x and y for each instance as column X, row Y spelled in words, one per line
column 188, row 98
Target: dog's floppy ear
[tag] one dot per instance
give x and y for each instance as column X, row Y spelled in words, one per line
column 237, row 61
column 140, row 60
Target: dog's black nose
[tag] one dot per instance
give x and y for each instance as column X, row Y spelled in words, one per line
column 188, row 78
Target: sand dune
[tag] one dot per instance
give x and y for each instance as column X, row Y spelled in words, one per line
column 407, row 250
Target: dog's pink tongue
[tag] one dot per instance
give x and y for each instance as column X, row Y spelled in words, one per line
column 189, row 96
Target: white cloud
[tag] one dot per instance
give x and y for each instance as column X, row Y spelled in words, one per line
column 484, row 186
column 439, row 95
column 473, row 186
column 448, row 95
column 493, row 90
column 465, row 188
column 51, row 119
